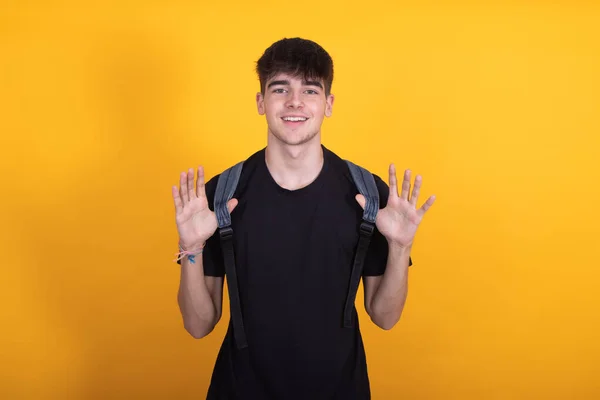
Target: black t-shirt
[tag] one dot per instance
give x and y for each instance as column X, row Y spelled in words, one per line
column 294, row 253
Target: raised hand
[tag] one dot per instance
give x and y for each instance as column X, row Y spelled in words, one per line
column 399, row 220
column 196, row 223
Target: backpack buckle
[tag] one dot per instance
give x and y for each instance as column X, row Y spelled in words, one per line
column 367, row 228
column 226, row 232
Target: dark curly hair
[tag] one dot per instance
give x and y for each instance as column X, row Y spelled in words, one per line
column 300, row 58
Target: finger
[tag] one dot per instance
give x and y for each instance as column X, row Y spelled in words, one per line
column 183, row 188
column 414, row 197
column 231, row 204
column 393, row 181
column 200, row 188
column 361, row 200
column 426, row 206
column 190, row 183
column 405, row 185
column 177, row 200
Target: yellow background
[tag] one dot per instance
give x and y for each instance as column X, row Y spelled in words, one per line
column 496, row 105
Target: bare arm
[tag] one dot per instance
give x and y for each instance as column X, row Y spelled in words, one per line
column 398, row 222
column 200, row 298
column 385, row 295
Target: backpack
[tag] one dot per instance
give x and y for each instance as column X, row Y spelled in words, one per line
column 226, row 186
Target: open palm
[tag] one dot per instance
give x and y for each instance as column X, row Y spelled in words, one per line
column 399, row 220
column 196, row 223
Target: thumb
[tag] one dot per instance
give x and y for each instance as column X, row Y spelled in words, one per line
column 231, row 204
column 361, row 200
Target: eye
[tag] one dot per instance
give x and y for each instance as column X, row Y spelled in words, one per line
column 280, row 90
column 310, row 91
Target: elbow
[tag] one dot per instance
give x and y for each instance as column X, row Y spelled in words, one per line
column 198, row 332
column 386, row 326
column 385, row 322
column 385, row 318
column 198, row 326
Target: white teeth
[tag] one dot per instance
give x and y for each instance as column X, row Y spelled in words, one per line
column 294, row 119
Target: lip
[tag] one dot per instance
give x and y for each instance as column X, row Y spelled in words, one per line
column 294, row 123
column 294, row 116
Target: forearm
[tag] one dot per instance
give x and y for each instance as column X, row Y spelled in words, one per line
column 195, row 303
column 388, row 301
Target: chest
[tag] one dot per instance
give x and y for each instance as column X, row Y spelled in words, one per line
column 295, row 239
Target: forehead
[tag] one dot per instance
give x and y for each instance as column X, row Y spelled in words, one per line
column 293, row 79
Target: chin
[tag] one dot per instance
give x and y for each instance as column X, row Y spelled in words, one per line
column 294, row 138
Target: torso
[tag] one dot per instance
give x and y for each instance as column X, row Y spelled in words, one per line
column 294, row 254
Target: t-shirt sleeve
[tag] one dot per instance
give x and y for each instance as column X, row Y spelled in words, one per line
column 212, row 256
column 377, row 253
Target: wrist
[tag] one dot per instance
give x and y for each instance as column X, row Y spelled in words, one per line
column 189, row 252
column 399, row 248
column 192, row 246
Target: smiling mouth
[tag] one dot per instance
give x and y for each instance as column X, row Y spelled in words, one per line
column 294, row 119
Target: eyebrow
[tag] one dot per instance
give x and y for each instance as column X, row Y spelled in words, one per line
column 287, row 82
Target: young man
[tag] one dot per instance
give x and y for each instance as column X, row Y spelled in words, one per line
column 295, row 216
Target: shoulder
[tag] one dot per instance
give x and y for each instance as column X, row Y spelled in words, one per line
column 340, row 166
column 337, row 166
column 249, row 165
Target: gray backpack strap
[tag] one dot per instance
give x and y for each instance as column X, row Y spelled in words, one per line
column 365, row 183
column 226, row 186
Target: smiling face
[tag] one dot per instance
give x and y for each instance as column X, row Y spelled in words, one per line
column 294, row 108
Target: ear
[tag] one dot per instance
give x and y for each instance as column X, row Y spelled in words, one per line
column 260, row 103
column 329, row 105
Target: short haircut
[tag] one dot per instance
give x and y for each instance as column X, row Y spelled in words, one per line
column 300, row 58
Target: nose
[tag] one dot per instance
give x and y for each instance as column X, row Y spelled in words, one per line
column 294, row 100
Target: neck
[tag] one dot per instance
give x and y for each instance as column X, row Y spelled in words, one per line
column 294, row 167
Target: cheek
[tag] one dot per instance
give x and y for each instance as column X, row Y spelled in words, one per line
column 319, row 111
column 272, row 108
column 268, row 110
